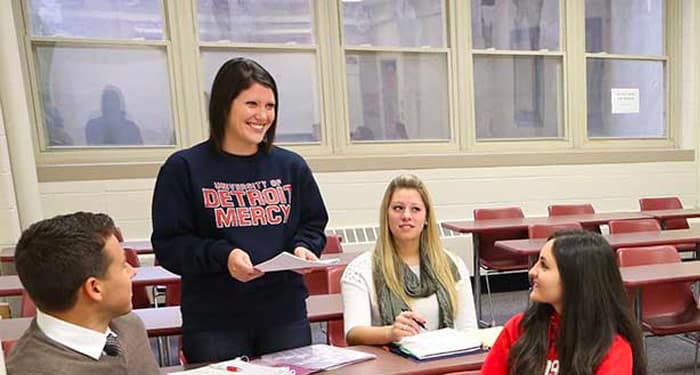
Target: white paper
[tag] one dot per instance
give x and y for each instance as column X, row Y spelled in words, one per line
column 441, row 342
column 286, row 261
column 624, row 100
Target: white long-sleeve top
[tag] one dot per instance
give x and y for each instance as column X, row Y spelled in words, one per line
column 360, row 307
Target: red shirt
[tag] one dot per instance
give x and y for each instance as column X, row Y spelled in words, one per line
column 617, row 361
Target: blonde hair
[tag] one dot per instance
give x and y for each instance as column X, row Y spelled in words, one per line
column 385, row 255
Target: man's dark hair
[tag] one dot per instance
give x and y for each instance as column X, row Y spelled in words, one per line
column 234, row 76
column 55, row 256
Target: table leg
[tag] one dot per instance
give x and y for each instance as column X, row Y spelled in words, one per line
column 477, row 280
column 697, row 251
column 638, row 305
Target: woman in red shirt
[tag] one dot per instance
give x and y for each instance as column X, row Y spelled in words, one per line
column 579, row 322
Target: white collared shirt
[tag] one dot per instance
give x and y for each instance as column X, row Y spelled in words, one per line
column 81, row 339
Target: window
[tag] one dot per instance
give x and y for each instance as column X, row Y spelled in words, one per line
column 279, row 35
column 359, row 80
column 396, row 65
column 102, row 73
column 625, row 69
column 518, row 69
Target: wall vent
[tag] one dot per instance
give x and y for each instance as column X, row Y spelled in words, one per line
column 366, row 235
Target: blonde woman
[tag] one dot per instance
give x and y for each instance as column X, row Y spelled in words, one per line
column 408, row 283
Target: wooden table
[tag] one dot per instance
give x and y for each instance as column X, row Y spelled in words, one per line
column 10, row 285
column 167, row 321
column 7, row 254
column 476, row 227
column 681, row 213
column 388, row 363
column 636, row 277
column 531, row 247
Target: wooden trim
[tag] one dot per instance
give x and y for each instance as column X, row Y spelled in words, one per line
column 346, row 163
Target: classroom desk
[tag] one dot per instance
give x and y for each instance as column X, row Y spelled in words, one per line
column 7, row 254
column 476, row 227
column 531, row 248
column 10, row 285
column 167, row 321
column 680, row 213
column 637, row 277
column 391, row 364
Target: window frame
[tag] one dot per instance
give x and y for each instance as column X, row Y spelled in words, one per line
column 336, row 152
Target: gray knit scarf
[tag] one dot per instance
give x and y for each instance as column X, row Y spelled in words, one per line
column 391, row 305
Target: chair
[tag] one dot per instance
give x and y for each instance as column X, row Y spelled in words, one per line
column 28, row 309
column 140, row 294
column 317, row 281
column 574, row 209
column 546, row 230
column 492, row 258
column 668, row 203
column 336, row 331
column 630, row 226
column 7, row 347
column 667, row 309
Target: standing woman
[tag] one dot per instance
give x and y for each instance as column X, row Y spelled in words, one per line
column 409, row 282
column 579, row 322
column 231, row 202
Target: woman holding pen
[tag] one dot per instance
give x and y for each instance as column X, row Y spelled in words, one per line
column 228, row 203
column 408, row 282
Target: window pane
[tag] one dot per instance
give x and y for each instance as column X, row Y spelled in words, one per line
column 101, row 96
column 518, row 97
column 256, row 21
column 105, row 19
column 394, row 23
column 515, row 25
column 397, row 96
column 625, row 99
column 295, row 74
column 629, row 27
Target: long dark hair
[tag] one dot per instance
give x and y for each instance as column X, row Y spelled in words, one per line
column 234, row 76
column 594, row 309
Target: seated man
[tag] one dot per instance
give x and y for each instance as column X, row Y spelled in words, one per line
column 75, row 271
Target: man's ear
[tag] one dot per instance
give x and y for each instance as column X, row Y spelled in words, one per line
column 93, row 289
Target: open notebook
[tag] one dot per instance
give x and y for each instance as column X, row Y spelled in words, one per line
column 446, row 342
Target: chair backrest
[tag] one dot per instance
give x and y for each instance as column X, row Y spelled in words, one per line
column 546, row 230
column 28, row 309
column 574, row 209
column 335, row 329
column 663, row 299
column 491, row 256
column 639, row 225
column 665, row 203
column 139, row 293
column 333, row 245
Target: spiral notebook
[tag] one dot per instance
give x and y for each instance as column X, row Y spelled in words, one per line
column 239, row 366
column 439, row 343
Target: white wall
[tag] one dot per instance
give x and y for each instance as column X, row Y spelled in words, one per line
column 352, row 198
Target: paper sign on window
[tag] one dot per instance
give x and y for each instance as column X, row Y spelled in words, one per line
column 624, row 100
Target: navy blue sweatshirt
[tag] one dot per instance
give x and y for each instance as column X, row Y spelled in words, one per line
column 206, row 203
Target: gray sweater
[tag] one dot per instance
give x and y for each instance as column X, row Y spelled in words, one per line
column 35, row 353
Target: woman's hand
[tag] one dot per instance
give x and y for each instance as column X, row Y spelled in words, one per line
column 406, row 324
column 306, row 254
column 240, row 267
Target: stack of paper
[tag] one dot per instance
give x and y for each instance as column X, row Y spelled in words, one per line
column 317, row 357
column 286, row 261
column 439, row 343
column 238, row 366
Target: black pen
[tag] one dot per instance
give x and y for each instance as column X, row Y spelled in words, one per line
column 416, row 320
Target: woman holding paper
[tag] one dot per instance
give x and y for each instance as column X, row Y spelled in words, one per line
column 408, row 282
column 579, row 321
column 227, row 204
